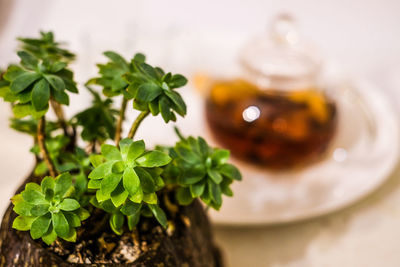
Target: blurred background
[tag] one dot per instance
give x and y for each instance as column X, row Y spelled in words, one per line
column 189, row 37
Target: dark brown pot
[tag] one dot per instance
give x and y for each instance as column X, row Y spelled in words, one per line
column 189, row 243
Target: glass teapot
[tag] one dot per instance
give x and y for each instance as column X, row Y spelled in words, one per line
column 277, row 114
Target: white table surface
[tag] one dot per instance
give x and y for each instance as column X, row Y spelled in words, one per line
column 366, row 234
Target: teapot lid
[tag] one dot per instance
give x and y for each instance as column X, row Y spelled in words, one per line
column 281, row 59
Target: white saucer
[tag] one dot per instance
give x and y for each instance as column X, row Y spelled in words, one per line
column 363, row 154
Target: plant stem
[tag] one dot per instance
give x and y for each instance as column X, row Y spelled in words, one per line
column 121, row 118
column 137, row 122
column 41, row 135
column 60, row 115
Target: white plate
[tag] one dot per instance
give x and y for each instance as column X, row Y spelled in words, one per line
column 363, row 154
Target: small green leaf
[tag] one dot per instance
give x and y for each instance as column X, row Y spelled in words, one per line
column 131, row 181
column 96, row 160
column 73, row 219
column 71, row 236
column 60, row 224
column 117, row 59
column 177, row 81
column 69, row 204
column 133, row 221
column 116, row 223
column 50, row 236
column 178, row 101
column 40, row 95
column 40, row 226
column 23, row 81
column 135, row 150
column 94, row 184
column 27, row 59
column 184, row 196
column 215, row 176
column 197, row 189
column 56, row 82
column 148, row 92
column 159, row 214
column 21, row 110
column 110, row 182
column 56, row 67
column 61, row 97
column 119, row 195
column 23, row 223
column 215, row 193
column 118, row 167
column 101, row 171
column 82, row 213
column 39, row 210
column 153, row 159
column 110, row 152
column 193, row 174
column 23, row 208
column 225, row 187
column 47, row 183
column 138, row 196
column 150, row 198
column 230, row 171
column 63, row 184
column 146, row 181
column 33, row 197
column 131, row 208
column 124, row 145
column 165, row 108
column 220, row 156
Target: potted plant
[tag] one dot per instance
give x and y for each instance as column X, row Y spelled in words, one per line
column 112, row 202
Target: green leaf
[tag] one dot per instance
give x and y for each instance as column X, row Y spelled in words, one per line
column 101, row 171
column 63, row 184
column 177, row 81
column 33, row 197
column 40, row 209
column 50, row 236
column 225, row 187
column 231, row 172
column 110, row 152
column 131, row 208
column 27, row 59
column 94, row 184
column 116, row 223
column 56, row 82
column 184, row 196
column 13, row 71
column 165, row 109
column 21, row 110
column 23, row 223
column 61, row 97
column 47, row 183
column 215, row 193
column 124, row 145
column 153, row 159
column 73, row 219
column 215, row 176
column 146, row 181
column 40, row 226
column 138, row 196
column 193, row 174
column 150, row 198
column 71, row 236
column 110, row 182
column 82, row 213
column 148, row 92
column 220, row 156
column 135, row 150
column 60, row 224
column 96, row 160
column 119, row 195
column 133, row 221
column 131, row 181
column 117, row 59
column 197, row 189
column 40, row 95
column 178, row 101
column 159, row 214
column 23, row 208
column 23, row 81
column 69, row 204
column 139, row 58
column 56, row 67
